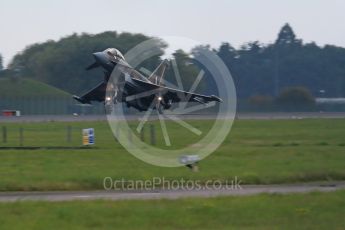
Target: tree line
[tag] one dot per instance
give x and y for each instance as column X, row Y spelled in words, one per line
column 266, row 69
column 257, row 69
column 62, row 63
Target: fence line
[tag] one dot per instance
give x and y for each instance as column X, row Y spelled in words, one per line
column 22, row 136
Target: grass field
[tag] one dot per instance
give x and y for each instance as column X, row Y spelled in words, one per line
column 256, row 151
column 295, row 211
column 24, row 87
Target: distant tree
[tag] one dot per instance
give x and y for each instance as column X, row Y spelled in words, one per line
column 227, row 53
column 1, row 65
column 286, row 36
column 209, row 79
column 295, row 97
column 187, row 70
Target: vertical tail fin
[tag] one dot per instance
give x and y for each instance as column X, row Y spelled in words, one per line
column 157, row 75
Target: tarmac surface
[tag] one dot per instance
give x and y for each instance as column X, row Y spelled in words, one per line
column 254, row 116
column 243, row 190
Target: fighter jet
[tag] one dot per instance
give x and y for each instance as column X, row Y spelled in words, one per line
column 137, row 90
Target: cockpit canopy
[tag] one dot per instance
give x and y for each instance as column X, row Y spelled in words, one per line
column 114, row 53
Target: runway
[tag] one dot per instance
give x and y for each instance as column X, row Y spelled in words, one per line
column 245, row 190
column 247, row 116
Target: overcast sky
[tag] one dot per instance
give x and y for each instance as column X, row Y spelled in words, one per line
column 209, row 21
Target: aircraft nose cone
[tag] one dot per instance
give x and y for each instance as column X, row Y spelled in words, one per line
column 99, row 56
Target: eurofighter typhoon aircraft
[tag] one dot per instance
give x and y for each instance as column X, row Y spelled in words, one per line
column 137, row 90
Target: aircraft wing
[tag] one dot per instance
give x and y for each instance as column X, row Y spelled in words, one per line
column 177, row 95
column 96, row 94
